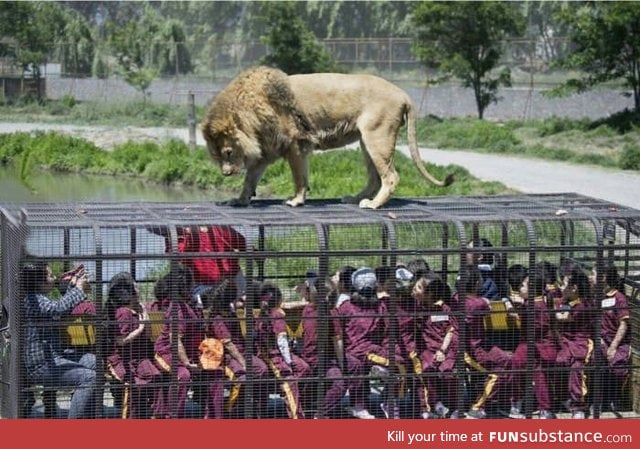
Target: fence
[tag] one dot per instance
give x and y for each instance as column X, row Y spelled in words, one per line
column 275, row 248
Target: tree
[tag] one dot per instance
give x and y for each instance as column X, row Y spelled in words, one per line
column 74, row 42
column 606, row 45
column 294, row 48
column 464, row 39
column 130, row 44
column 30, row 27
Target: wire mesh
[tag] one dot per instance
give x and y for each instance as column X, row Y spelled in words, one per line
column 443, row 307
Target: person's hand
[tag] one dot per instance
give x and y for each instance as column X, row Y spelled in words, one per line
column 611, row 353
column 439, row 356
column 80, row 280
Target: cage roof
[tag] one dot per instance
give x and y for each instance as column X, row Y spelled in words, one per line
column 275, row 212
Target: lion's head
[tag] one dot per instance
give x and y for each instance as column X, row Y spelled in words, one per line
column 224, row 142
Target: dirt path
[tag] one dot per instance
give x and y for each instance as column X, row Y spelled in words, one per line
column 523, row 174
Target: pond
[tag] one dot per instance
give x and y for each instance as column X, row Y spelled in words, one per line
column 58, row 187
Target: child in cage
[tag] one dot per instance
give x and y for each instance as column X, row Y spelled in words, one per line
column 274, row 348
column 527, row 289
column 129, row 351
column 492, row 362
column 336, row 387
column 186, row 322
column 223, row 324
column 400, row 305
column 360, row 330
column 615, row 338
column 438, row 345
column 574, row 317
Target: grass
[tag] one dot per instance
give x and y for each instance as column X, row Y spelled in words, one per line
column 68, row 110
column 611, row 142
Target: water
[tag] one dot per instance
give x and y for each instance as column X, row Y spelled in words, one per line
column 57, row 187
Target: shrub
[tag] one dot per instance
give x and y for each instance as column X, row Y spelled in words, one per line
column 630, row 157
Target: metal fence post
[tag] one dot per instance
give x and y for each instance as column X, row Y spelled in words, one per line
column 191, row 120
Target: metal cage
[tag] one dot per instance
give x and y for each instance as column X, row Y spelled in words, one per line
column 280, row 246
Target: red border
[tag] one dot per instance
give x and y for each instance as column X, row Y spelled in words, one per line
column 326, row 434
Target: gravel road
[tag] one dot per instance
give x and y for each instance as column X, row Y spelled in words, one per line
column 524, row 174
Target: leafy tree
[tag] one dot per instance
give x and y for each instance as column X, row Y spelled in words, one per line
column 30, row 27
column 294, row 48
column 74, row 42
column 606, row 45
column 354, row 19
column 544, row 24
column 130, row 43
column 464, row 39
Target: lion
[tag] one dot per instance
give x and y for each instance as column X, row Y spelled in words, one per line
column 264, row 114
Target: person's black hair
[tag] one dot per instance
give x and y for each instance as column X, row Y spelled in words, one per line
column 470, row 281
column 578, row 278
column 121, row 289
column 33, row 275
column 612, row 278
column 119, row 292
column 567, row 266
column 271, row 294
column 487, row 257
column 437, row 287
column 384, row 274
column 516, row 273
column 161, row 289
column 548, row 270
column 180, row 282
column 220, row 297
column 344, row 276
column 419, row 267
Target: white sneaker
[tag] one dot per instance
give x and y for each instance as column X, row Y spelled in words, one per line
column 577, row 415
column 361, row 413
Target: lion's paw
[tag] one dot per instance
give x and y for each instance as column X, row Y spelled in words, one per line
column 367, row 204
column 294, row 203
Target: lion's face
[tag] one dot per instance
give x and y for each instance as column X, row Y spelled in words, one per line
column 225, row 147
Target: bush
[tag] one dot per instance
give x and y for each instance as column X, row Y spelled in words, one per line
column 468, row 134
column 557, row 125
column 630, row 157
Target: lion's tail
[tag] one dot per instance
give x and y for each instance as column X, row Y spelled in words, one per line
column 413, row 148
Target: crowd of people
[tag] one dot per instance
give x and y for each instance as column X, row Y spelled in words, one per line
column 403, row 327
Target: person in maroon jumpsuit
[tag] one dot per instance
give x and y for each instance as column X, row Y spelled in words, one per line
column 129, row 359
column 336, row 387
column 360, row 330
column 523, row 288
column 225, row 327
column 615, row 337
column 480, row 355
column 274, row 349
column 185, row 321
column 574, row 317
column 438, row 345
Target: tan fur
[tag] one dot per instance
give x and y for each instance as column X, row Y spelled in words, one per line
column 264, row 115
